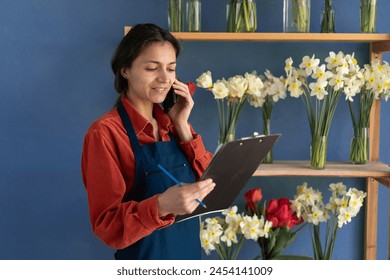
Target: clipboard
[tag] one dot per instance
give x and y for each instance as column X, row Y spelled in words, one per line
column 231, row 168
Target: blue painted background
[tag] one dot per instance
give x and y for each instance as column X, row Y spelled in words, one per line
column 55, row 79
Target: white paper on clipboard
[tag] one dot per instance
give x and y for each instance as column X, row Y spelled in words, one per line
column 231, row 168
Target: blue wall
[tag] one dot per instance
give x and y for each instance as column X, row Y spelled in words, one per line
column 55, row 79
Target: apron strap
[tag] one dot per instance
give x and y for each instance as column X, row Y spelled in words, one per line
column 138, row 154
column 129, row 129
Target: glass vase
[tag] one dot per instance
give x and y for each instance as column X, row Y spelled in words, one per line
column 175, row 15
column 296, row 16
column 193, row 15
column 241, row 16
column 267, row 131
column 368, row 16
column 318, row 152
column 328, row 20
column 359, row 150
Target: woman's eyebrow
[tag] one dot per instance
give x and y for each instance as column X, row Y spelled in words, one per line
column 158, row 62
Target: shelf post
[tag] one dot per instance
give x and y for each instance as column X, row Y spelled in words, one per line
column 372, row 185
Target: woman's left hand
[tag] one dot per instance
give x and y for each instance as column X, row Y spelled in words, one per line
column 180, row 112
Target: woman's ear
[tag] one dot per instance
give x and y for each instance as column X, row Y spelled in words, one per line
column 124, row 73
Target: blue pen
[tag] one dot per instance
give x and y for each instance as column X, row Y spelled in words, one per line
column 178, row 183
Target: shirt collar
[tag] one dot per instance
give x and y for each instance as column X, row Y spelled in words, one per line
column 139, row 122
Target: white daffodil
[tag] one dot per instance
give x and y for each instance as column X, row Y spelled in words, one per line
column 343, row 68
column 229, row 236
column 352, row 87
column 344, row 217
column 288, row 66
column 250, row 227
column 237, row 85
column 337, row 81
column 205, row 242
column 205, row 80
column 294, row 87
column 333, row 60
column 256, row 101
column 309, row 64
column 316, row 215
column 353, row 63
column 220, row 90
column 355, row 202
column 338, row 189
column 267, row 228
column 318, row 89
column 255, row 84
column 321, row 73
column 214, row 232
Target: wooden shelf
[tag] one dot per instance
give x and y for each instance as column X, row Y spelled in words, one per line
column 333, row 169
column 380, row 42
column 282, row 37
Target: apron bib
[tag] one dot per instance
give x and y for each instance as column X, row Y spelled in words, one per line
column 179, row 241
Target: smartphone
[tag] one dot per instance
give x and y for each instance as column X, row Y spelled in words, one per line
column 169, row 101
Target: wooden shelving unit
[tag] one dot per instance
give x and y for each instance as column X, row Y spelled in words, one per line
column 375, row 171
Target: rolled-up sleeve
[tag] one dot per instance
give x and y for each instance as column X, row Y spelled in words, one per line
column 196, row 154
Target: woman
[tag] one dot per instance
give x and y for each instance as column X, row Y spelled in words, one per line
column 133, row 204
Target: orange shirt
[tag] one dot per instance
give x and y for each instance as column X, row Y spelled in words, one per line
column 108, row 172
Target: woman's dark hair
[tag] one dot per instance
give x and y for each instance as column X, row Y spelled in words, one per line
column 135, row 41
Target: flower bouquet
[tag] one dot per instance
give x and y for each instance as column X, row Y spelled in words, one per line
column 281, row 218
column 227, row 235
column 325, row 83
column 273, row 90
column 374, row 84
column 231, row 95
column 343, row 205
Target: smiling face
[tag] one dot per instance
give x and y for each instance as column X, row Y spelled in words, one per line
column 151, row 74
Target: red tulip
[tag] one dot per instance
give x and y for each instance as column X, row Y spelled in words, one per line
column 280, row 213
column 252, row 197
column 191, row 87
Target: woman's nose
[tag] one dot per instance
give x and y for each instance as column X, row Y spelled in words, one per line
column 164, row 76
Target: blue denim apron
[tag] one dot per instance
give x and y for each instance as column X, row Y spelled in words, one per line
column 179, row 241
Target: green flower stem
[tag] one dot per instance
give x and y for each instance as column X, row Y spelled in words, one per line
column 267, row 113
column 367, row 15
column 324, row 252
column 193, row 15
column 175, row 15
column 328, row 23
column 228, row 117
column 319, row 147
column 359, row 150
column 225, row 252
column 242, row 16
column 301, row 15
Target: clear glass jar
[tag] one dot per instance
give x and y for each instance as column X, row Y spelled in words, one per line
column 241, row 16
column 193, row 15
column 175, row 15
column 328, row 19
column 296, row 16
column 359, row 151
column 368, row 16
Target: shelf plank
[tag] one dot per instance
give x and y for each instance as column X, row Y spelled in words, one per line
column 280, row 37
column 333, row 169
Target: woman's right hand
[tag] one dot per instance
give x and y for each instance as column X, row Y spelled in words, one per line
column 182, row 200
